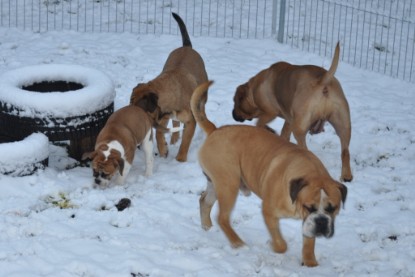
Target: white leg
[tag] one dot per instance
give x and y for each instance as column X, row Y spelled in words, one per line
column 147, row 146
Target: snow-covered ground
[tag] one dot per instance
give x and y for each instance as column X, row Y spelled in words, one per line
column 54, row 224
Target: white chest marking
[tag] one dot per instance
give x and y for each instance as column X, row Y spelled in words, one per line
column 114, row 145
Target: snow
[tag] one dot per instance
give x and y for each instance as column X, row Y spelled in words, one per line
column 19, row 157
column 97, row 92
column 54, row 224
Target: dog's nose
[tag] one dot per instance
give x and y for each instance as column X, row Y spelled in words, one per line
column 322, row 228
column 97, row 181
column 237, row 117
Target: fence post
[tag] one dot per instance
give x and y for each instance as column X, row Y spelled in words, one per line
column 281, row 24
column 274, row 17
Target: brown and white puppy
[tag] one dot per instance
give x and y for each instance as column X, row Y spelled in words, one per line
column 117, row 142
column 305, row 96
column 168, row 95
column 291, row 181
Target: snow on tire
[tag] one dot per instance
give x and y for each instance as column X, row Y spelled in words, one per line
column 24, row 157
column 64, row 102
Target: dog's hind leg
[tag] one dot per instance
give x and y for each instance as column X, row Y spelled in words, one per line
column 161, row 140
column 176, row 135
column 206, row 201
column 189, row 131
column 286, row 131
column 227, row 195
column 341, row 124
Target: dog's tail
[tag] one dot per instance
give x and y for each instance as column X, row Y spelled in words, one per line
column 328, row 76
column 183, row 30
column 197, row 104
column 163, row 129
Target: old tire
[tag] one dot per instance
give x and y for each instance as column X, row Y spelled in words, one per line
column 21, row 158
column 64, row 102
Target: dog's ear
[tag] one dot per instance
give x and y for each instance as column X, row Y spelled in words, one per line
column 120, row 163
column 296, row 185
column 148, row 102
column 343, row 191
column 89, row 155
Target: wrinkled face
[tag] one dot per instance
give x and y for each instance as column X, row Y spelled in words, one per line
column 106, row 162
column 319, row 206
column 244, row 106
column 103, row 170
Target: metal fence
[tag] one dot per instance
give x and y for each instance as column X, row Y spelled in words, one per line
column 377, row 35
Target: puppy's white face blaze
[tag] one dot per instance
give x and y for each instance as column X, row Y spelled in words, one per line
column 105, row 166
column 320, row 221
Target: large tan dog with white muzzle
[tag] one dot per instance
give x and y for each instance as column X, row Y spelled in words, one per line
column 290, row 180
column 305, row 96
column 168, row 95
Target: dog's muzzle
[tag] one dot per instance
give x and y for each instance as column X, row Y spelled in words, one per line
column 237, row 117
column 317, row 225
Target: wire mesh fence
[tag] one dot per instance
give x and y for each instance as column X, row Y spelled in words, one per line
column 378, row 35
column 218, row 18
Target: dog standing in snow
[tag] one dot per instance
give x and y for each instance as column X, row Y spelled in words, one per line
column 116, row 144
column 291, row 181
column 305, row 96
column 168, row 95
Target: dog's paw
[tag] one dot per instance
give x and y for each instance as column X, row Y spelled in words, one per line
column 237, row 244
column 279, row 247
column 310, row 263
column 181, row 158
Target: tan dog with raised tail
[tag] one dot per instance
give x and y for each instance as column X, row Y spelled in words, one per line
column 290, row 180
column 168, row 95
column 305, row 96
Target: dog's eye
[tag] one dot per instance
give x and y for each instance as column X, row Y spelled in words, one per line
column 330, row 209
column 310, row 209
column 104, row 175
column 95, row 174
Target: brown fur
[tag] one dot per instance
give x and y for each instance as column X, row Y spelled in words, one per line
column 168, row 95
column 127, row 126
column 305, row 96
column 289, row 179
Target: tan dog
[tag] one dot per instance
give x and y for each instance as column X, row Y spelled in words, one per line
column 305, row 96
column 290, row 180
column 116, row 145
column 168, row 95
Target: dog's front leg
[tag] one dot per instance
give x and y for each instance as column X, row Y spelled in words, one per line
column 272, row 222
column 309, row 259
column 264, row 119
column 188, row 132
column 161, row 140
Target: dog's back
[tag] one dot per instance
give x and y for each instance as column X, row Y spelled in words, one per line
column 129, row 123
column 185, row 58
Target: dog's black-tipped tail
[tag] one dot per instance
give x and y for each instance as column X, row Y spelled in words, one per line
column 330, row 73
column 183, row 30
column 197, row 104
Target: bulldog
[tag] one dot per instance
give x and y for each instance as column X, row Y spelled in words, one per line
column 306, row 96
column 291, row 181
column 116, row 144
column 168, row 95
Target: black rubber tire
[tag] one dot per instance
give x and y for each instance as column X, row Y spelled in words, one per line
column 79, row 126
column 24, row 157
